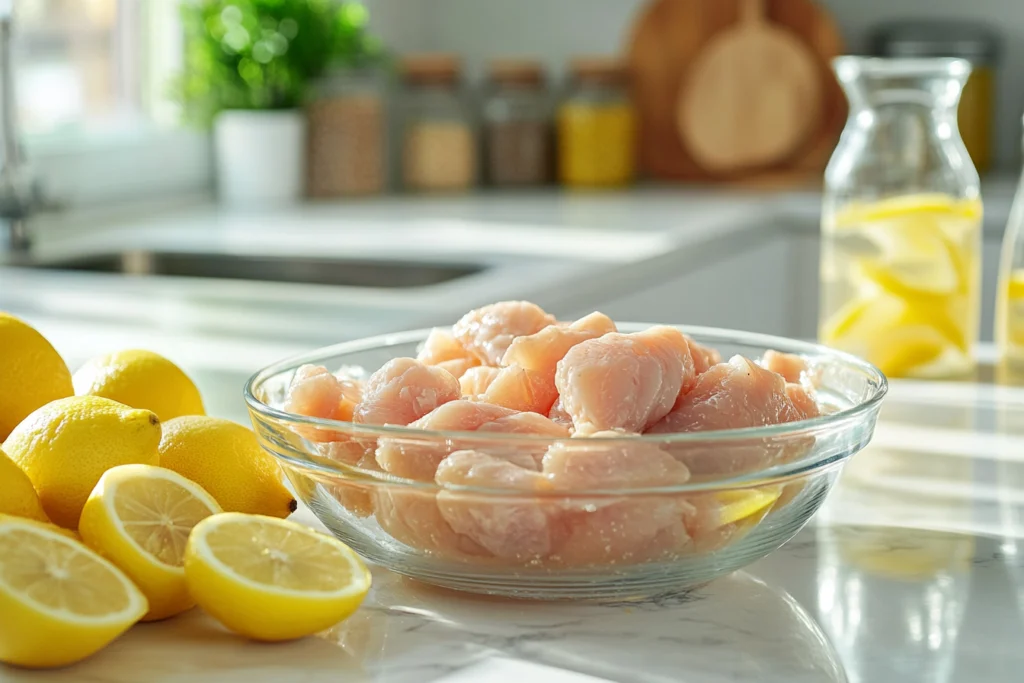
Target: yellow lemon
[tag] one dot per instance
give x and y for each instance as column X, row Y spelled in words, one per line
column 139, row 517
column 140, row 379
column 272, row 579
column 67, row 445
column 60, row 601
column 68, row 533
column 17, row 495
column 225, row 459
column 32, row 373
column 740, row 504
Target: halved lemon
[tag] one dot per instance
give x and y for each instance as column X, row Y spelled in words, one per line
column 59, row 601
column 140, row 517
column 740, row 504
column 271, row 579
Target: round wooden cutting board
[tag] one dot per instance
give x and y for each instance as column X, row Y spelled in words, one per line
column 752, row 97
column 685, row 98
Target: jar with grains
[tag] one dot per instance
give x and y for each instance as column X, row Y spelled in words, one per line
column 517, row 126
column 347, row 133
column 597, row 126
column 438, row 138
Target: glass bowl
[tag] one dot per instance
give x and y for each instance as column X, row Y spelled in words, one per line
column 749, row 492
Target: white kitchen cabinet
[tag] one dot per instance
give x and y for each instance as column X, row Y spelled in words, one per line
column 747, row 290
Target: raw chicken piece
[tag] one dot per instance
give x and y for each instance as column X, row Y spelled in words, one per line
column 703, row 356
column 523, row 390
column 404, row 390
column 610, row 529
column 542, row 351
column 611, row 460
column 315, row 392
column 523, row 454
column 354, row 495
column 624, row 381
column 458, row 367
column 476, row 380
column 730, row 395
column 527, row 383
column 417, row 458
column 790, row 366
column 487, row 332
column 513, row 528
column 803, row 401
column 413, row 518
column 733, row 395
column 441, row 346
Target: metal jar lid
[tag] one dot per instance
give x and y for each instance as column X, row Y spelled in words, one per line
column 974, row 42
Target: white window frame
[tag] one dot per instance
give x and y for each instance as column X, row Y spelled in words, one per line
column 154, row 160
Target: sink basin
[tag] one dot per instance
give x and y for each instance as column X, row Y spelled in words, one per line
column 300, row 269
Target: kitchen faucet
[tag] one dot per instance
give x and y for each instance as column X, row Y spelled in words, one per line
column 20, row 194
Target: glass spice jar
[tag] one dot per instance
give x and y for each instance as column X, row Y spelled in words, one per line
column 347, row 133
column 597, row 126
column 438, row 140
column 516, row 121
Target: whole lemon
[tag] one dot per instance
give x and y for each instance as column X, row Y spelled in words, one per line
column 225, row 459
column 140, row 379
column 32, row 373
column 67, row 445
column 17, row 495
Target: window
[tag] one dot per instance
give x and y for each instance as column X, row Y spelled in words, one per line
column 93, row 85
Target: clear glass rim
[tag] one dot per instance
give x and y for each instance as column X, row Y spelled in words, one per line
column 791, row 429
column 901, row 66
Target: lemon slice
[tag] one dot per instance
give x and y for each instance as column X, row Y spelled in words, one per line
column 271, row 579
column 140, row 516
column 738, row 505
column 59, row 601
column 897, row 207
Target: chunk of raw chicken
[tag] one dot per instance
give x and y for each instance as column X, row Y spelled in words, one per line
column 404, row 390
column 790, row 366
column 476, row 380
column 611, row 529
column 316, row 392
column 458, row 366
column 354, row 494
column 487, row 332
column 803, row 400
column 527, row 383
column 416, row 457
column 414, row 518
column 441, row 346
column 624, row 381
column 730, row 395
column 734, row 395
column 704, row 357
column 514, row 527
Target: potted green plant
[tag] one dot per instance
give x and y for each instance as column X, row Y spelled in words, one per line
column 247, row 66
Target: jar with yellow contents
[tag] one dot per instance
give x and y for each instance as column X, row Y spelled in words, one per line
column 901, row 222
column 597, row 126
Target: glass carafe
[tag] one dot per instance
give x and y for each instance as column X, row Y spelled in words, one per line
column 901, row 222
column 1009, row 332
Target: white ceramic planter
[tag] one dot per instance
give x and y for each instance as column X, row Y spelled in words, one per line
column 261, row 156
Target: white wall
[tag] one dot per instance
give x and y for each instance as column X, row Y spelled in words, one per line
column 557, row 29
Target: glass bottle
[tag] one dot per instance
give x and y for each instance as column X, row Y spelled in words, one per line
column 1009, row 332
column 438, row 137
column 517, row 124
column 597, row 126
column 901, row 222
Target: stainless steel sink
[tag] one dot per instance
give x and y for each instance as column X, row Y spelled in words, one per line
column 301, row 269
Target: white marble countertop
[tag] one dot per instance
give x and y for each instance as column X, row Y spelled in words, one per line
column 914, row 571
